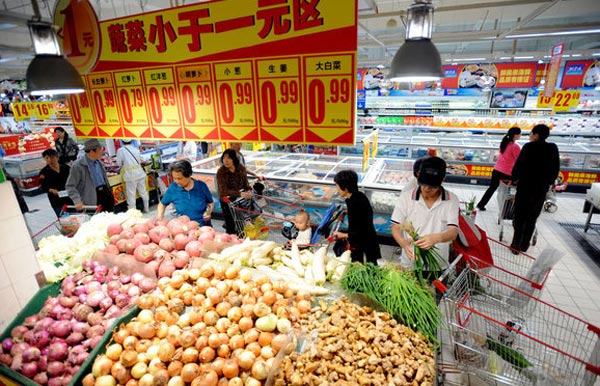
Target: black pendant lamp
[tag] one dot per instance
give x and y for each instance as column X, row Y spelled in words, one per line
column 49, row 73
column 417, row 60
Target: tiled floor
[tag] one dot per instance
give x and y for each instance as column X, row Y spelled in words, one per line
column 573, row 285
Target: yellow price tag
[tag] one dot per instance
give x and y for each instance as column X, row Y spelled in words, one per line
column 565, row 100
column 375, row 144
column 32, row 110
column 366, row 153
column 544, row 102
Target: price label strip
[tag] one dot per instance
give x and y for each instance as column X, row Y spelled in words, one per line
column 104, row 105
column 132, row 104
column 163, row 104
column 197, row 102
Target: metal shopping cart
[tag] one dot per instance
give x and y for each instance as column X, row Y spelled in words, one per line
column 500, row 346
column 67, row 223
column 506, row 206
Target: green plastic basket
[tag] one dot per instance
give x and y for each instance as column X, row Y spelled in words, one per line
column 33, row 307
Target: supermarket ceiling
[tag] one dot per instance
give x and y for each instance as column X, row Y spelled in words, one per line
column 477, row 30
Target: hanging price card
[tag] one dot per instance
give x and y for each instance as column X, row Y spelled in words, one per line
column 104, row 105
column 197, row 101
column 366, row 153
column 33, row 110
column 236, row 100
column 162, row 103
column 82, row 114
column 132, row 104
column 565, row 100
column 329, row 90
column 280, row 99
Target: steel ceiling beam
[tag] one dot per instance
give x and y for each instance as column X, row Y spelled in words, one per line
column 527, row 19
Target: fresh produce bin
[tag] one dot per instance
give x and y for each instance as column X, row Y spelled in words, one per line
column 33, row 307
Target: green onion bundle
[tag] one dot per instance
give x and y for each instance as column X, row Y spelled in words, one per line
column 399, row 293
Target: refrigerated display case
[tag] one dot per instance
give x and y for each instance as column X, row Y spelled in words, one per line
column 310, row 176
column 471, row 154
column 25, row 168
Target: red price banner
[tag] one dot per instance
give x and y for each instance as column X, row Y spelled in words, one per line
column 33, row 110
column 132, row 104
column 221, row 71
column 197, row 102
column 163, row 105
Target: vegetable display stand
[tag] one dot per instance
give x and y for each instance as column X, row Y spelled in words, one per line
column 35, row 306
column 32, row 307
column 491, row 339
column 66, row 224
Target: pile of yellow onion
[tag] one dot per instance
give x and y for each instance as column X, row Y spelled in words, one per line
column 206, row 326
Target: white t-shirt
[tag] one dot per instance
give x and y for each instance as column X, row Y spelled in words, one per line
column 443, row 213
column 304, row 236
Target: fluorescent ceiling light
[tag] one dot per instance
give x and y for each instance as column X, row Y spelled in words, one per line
column 575, row 55
column 523, row 57
column 559, row 33
column 596, row 54
column 469, row 59
column 505, row 57
column 448, row 60
column 547, row 56
column 566, row 56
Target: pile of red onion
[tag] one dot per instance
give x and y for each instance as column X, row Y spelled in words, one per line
column 166, row 245
column 50, row 346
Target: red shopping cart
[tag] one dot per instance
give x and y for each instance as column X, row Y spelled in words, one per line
column 67, row 224
column 500, row 345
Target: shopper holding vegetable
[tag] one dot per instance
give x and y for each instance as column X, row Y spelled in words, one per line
column 535, row 171
column 361, row 234
column 425, row 220
column 232, row 182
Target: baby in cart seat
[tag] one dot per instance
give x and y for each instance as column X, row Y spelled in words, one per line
column 299, row 230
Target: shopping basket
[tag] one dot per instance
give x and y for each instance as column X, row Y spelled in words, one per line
column 547, row 348
column 67, row 223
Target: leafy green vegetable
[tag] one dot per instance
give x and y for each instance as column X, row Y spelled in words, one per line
column 399, row 293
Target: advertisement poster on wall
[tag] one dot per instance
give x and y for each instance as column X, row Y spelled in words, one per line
column 581, row 73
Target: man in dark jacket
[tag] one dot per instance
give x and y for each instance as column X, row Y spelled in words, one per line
column 535, row 171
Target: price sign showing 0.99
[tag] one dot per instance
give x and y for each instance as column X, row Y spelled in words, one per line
column 105, row 106
column 280, row 102
column 329, row 90
column 163, row 104
column 323, row 95
column 236, row 102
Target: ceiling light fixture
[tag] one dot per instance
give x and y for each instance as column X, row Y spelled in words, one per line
column 523, row 57
column 417, row 60
column 470, row 59
column 49, row 73
column 559, row 33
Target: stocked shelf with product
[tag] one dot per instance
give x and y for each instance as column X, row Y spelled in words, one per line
column 470, row 142
column 311, row 177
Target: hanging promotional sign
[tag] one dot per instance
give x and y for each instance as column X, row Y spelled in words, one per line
column 552, row 74
column 492, row 75
column 185, row 73
column 581, row 73
column 34, row 110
